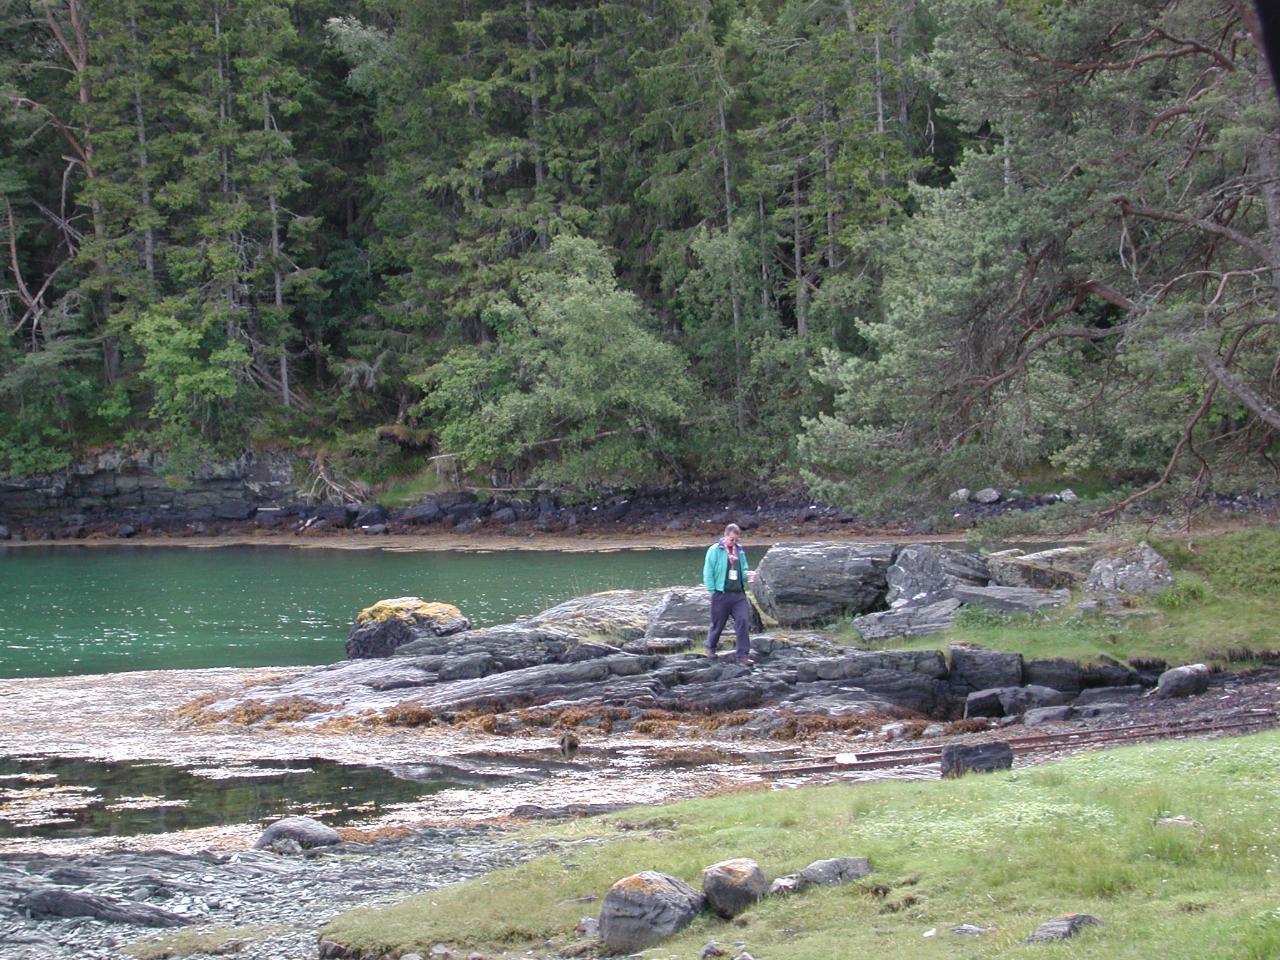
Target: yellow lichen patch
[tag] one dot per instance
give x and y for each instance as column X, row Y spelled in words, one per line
column 646, row 884
column 409, row 609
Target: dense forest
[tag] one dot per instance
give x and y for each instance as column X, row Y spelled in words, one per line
column 877, row 247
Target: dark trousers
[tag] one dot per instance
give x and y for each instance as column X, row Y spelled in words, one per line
column 723, row 606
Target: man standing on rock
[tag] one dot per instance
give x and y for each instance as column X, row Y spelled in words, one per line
column 725, row 574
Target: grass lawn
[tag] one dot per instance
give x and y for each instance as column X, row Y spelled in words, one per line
column 1006, row 851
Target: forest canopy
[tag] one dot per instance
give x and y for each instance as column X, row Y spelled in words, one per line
column 878, row 248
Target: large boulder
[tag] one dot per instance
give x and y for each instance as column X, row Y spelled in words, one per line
column 685, row 612
column 642, row 909
column 305, row 831
column 1183, row 682
column 922, row 573
column 732, row 886
column 806, row 584
column 1139, row 570
column 378, row 630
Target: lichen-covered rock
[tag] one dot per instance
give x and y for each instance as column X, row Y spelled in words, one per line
column 306, row 831
column 380, row 629
column 1140, row 570
column 643, row 908
column 732, row 886
column 1184, row 681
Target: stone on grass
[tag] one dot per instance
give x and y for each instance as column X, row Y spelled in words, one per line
column 970, row 930
column 306, row 831
column 1180, row 822
column 987, row 495
column 835, row 871
column 785, row 886
column 959, row 759
column 1139, row 570
column 908, row 621
column 732, row 886
column 1182, row 682
column 1060, row 928
column 643, row 908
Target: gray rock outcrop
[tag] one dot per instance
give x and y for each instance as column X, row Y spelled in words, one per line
column 1011, row 599
column 640, row 910
column 58, row 902
column 1139, row 570
column 908, row 621
column 973, row 669
column 805, row 584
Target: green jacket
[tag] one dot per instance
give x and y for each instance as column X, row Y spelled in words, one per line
column 716, row 567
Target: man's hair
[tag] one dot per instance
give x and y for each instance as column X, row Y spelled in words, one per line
column 732, row 528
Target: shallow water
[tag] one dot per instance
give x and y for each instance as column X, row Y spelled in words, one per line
column 57, row 797
column 76, row 610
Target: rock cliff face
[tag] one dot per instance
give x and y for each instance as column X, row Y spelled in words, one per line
column 117, row 482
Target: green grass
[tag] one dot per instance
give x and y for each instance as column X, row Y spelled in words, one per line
column 1006, row 851
column 200, row 940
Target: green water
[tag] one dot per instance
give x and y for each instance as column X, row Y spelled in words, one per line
column 74, row 610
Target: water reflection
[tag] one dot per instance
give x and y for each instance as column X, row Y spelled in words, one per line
column 60, row 797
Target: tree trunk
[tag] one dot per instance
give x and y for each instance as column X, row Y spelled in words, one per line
column 144, row 171
column 802, row 287
column 535, row 107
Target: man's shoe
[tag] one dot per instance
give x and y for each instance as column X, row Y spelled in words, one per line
column 745, row 662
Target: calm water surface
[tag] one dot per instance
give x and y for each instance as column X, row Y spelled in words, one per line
column 73, row 610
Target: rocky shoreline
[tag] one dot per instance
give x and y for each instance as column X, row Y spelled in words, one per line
column 651, row 722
